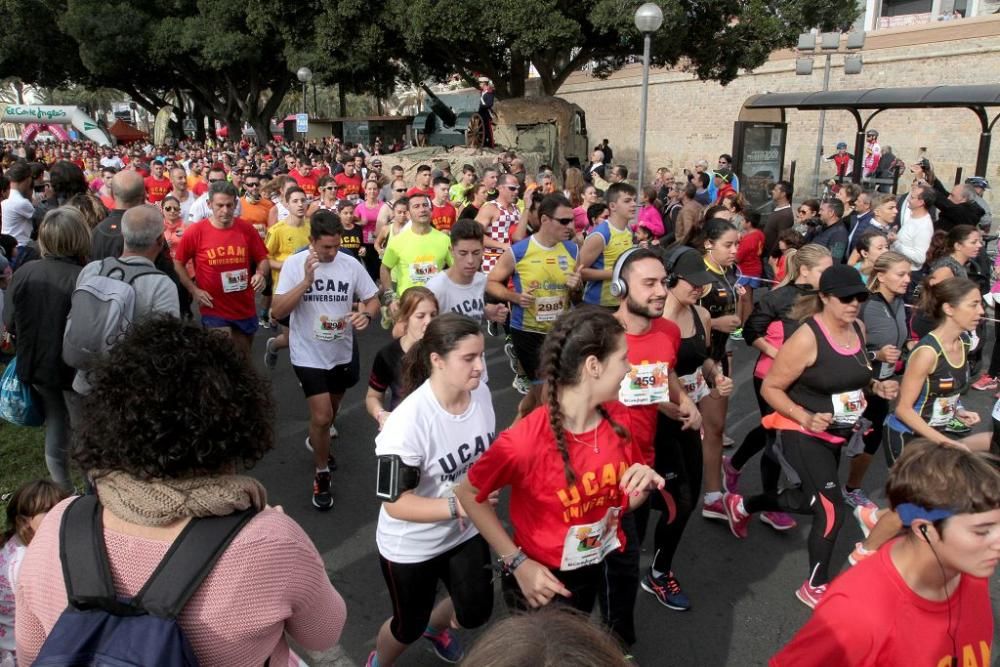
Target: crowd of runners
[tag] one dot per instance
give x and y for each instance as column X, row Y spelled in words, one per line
column 618, row 311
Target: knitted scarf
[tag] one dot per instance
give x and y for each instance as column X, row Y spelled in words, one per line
column 162, row 502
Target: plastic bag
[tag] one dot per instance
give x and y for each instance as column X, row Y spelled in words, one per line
column 18, row 405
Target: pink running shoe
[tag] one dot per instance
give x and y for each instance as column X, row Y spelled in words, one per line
column 778, row 520
column 867, row 518
column 859, row 554
column 714, row 510
column 738, row 519
column 730, row 476
column 810, row 595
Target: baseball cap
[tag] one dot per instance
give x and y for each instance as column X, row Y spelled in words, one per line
column 842, row 280
column 690, row 266
column 841, row 144
column 725, row 175
column 978, row 182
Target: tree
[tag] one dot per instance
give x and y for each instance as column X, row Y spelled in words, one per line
column 502, row 38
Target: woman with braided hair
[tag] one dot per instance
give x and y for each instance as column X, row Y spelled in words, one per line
column 572, row 468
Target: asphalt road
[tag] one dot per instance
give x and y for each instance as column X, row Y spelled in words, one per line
column 744, row 608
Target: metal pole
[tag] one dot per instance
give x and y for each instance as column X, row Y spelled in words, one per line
column 305, row 99
column 822, row 126
column 642, row 114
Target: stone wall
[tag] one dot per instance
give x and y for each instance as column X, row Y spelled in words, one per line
column 691, row 119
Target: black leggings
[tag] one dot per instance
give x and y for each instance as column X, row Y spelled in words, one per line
column 876, row 412
column 755, row 441
column 582, row 583
column 819, row 494
column 466, row 574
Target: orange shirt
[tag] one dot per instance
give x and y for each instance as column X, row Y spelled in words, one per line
column 256, row 214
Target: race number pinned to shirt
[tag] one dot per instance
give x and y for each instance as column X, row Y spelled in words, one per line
column 943, row 410
column 548, row 308
column 422, row 270
column 645, row 384
column 695, row 385
column 848, row 407
column 235, row 281
column 588, row 544
column 329, row 329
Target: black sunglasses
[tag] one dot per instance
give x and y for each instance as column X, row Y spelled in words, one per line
column 216, row 180
column 171, row 208
column 399, row 190
column 860, row 297
column 563, row 221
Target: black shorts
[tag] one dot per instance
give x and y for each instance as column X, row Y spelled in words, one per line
column 528, row 348
column 466, row 574
column 336, row 380
column 268, row 285
column 895, row 442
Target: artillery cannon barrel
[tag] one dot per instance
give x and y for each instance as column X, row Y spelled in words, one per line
column 440, row 109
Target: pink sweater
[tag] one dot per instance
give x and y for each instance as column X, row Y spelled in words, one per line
column 270, row 581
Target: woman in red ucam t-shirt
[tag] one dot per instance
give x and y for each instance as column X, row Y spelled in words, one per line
column 572, row 468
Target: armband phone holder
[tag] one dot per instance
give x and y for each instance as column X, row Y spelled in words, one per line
column 395, row 477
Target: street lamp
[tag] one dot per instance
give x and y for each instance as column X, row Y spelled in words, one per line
column 648, row 19
column 305, row 75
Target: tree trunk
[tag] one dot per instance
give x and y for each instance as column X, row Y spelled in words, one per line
column 235, row 129
column 342, row 98
column 199, row 126
column 518, row 75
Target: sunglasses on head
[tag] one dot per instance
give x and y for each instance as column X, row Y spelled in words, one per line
column 860, row 297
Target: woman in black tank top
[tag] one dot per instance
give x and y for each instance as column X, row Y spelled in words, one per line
column 816, row 387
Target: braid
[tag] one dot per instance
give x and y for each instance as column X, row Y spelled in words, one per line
column 554, row 347
column 619, row 430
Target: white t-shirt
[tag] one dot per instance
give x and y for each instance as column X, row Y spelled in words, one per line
column 320, row 335
column 200, row 210
column 914, row 238
column 444, row 446
column 15, row 214
column 466, row 300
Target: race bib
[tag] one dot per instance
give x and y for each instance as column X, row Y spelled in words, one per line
column 548, row 308
column 645, row 384
column 330, row 329
column 848, row 407
column 588, row 544
column 695, row 386
column 421, row 272
column 235, row 281
column 943, row 410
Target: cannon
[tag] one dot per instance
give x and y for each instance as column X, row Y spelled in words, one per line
column 443, row 126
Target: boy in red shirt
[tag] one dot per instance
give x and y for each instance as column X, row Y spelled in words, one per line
column 443, row 214
column 157, row 186
column 923, row 599
column 349, row 184
column 305, row 178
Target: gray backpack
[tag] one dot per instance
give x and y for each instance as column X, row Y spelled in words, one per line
column 101, row 311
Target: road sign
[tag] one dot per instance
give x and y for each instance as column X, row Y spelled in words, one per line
column 302, row 122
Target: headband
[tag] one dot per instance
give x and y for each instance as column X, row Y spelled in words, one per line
column 908, row 513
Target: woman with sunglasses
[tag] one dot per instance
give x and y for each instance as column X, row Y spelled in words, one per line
column 936, row 376
column 327, row 200
column 817, row 388
column 807, row 216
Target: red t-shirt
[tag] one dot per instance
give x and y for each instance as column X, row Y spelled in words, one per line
column 443, row 217
column 348, row 186
column 651, row 356
column 200, row 187
column 748, row 253
column 544, row 509
column 222, row 260
column 156, row 189
column 418, row 191
column 307, row 183
column 869, row 617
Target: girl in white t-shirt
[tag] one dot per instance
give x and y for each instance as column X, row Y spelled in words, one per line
column 25, row 511
column 440, row 429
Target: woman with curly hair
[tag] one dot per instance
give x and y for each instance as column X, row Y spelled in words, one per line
column 572, row 467
column 175, row 413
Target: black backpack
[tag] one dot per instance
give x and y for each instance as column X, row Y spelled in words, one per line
column 98, row 628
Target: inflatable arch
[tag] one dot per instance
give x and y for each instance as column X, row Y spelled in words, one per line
column 38, row 116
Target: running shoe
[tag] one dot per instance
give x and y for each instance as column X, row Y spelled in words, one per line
column 508, row 349
column 986, row 383
column 737, row 334
column 714, row 510
column 957, row 427
column 730, row 475
column 270, row 354
column 739, row 520
column 446, row 645
column 858, row 498
column 778, row 520
column 372, row 659
column 493, row 328
column 264, row 322
column 810, row 595
column 322, row 500
column 521, row 384
column 859, row 554
column 867, row 518
column 330, row 461
column 727, row 442
column 333, row 431
column 667, row 590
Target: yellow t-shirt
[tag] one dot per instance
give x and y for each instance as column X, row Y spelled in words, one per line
column 415, row 258
column 284, row 240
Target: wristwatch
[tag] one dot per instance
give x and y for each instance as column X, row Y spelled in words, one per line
column 514, row 562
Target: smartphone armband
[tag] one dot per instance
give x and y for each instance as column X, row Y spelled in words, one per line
column 395, row 477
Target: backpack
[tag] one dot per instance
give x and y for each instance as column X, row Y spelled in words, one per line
column 102, row 307
column 100, row 628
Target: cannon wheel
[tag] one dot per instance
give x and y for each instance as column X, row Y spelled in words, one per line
column 475, row 133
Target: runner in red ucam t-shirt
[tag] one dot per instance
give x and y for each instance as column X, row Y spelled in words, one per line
column 572, row 468
column 923, row 600
column 157, row 187
column 349, row 185
column 224, row 250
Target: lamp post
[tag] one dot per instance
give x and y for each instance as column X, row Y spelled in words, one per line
column 304, row 75
column 648, row 19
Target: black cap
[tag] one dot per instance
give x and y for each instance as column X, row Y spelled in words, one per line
column 841, row 280
column 690, row 266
